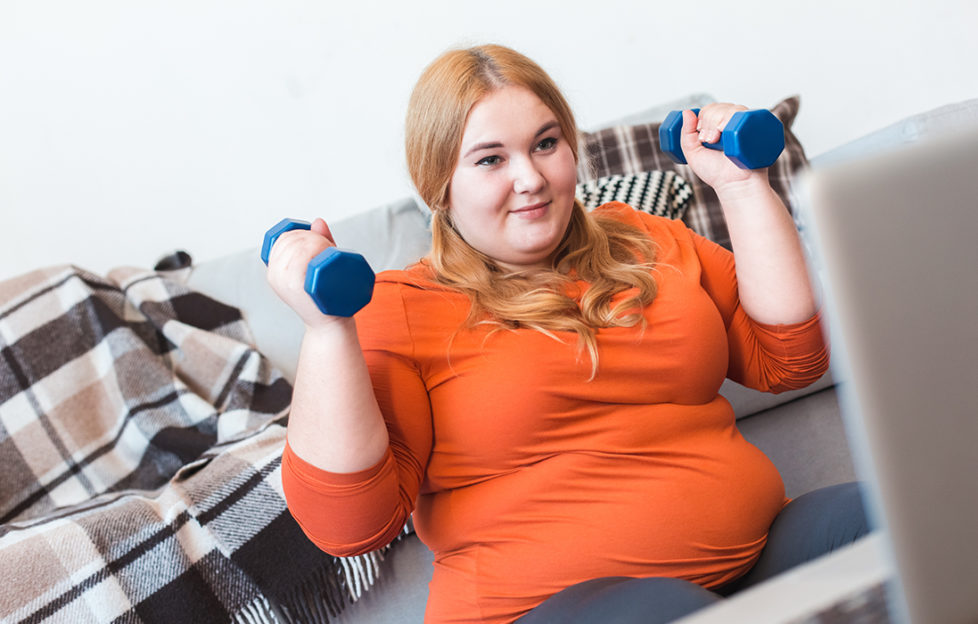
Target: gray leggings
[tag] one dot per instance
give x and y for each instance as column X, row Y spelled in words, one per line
column 809, row 526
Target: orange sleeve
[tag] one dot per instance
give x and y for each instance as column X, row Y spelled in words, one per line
column 335, row 510
column 771, row 358
column 347, row 514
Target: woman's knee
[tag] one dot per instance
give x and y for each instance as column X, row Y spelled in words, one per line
column 834, row 516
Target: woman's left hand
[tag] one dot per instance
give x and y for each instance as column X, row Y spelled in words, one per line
column 710, row 165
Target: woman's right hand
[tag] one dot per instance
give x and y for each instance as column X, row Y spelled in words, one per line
column 287, row 263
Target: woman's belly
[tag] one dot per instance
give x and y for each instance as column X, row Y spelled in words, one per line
column 696, row 508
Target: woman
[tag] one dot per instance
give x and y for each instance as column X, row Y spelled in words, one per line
column 541, row 390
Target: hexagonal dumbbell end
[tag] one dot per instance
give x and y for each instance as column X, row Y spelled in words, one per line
column 669, row 131
column 753, row 139
column 277, row 230
column 339, row 282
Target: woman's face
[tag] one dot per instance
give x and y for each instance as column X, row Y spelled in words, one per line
column 512, row 191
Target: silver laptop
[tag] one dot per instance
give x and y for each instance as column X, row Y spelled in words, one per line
column 896, row 238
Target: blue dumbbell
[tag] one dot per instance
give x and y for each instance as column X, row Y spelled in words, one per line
column 751, row 139
column 339, row 282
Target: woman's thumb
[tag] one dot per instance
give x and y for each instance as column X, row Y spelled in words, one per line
column 319, row 227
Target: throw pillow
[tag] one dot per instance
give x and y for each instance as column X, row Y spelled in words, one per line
column 628, row 150
column 661, row 193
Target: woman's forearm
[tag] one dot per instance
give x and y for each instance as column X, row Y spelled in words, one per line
column 335, row 423
column 772, row 273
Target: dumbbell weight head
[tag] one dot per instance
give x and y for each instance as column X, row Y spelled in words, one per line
column 755, row 138
column 669, row 132
column 277, row 230
column 751, row 139
column 339, row 282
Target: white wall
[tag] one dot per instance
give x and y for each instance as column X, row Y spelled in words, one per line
column 131, row 128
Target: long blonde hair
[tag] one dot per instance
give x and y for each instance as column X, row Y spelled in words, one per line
column 608, row 255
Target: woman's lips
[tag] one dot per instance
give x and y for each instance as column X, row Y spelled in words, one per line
column 532, row 211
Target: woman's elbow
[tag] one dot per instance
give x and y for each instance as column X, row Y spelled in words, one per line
column 349, row 543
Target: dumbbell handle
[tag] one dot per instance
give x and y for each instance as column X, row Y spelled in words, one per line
column 718, row 146
column 339, row 282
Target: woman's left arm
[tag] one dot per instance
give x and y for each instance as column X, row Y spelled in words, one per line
column 772, row 274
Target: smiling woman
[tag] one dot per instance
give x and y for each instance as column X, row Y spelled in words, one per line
column 459, row 396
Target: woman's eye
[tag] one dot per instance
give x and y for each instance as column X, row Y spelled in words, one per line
column 489, row 161
column 546, row 144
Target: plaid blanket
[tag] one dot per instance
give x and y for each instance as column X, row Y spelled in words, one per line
column 140, row 445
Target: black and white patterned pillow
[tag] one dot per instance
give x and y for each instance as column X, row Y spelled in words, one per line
column 661, row 193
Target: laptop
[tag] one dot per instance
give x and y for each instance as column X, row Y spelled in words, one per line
column 895, row 240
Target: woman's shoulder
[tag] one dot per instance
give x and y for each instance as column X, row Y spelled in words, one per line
column 413, row 289
column 409, row 312
column 417, row 276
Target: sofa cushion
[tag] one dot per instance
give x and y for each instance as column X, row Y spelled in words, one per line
column 806, row 440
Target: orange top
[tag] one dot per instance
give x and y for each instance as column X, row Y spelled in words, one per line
column 525, row 478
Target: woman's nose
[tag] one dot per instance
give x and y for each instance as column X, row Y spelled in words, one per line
column 527, row 178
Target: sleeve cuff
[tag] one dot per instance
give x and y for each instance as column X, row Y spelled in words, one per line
column 318, row 478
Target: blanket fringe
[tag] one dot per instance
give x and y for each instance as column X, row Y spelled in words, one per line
column 331, row 589
column 259, row 611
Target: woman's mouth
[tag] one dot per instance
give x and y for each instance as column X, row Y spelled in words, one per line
column 532, row 211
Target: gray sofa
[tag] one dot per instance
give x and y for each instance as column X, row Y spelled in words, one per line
column 801, row 431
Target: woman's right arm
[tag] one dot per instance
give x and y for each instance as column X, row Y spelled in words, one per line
column 335, row 423
column 349, row 483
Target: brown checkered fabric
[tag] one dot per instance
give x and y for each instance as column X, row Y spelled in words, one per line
column 141, row 437
column 627, row 150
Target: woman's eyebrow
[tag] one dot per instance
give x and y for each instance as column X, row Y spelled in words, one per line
column 482, row 146
column 547, row 127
